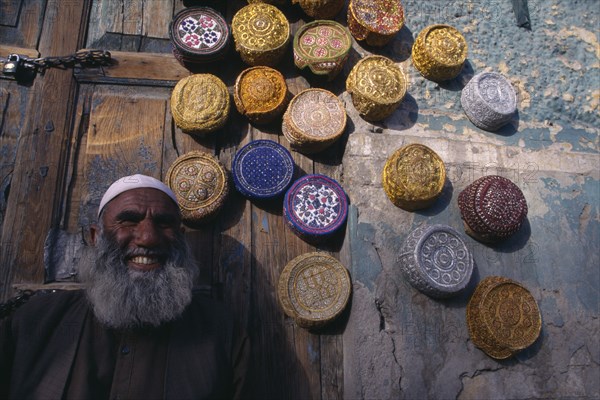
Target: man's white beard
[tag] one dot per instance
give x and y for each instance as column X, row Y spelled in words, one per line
column 124, row 298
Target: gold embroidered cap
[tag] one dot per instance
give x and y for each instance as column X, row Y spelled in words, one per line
column 375, row 21
column 314, row 120
column 413, row 177
column 321, row 9
column 439, row 52
column 377, row 86
column 314, row 288
column 323, row 47
column 201, row 185
column 261, row 33
column 261, row 94
column 200, row 104
column 503, row 317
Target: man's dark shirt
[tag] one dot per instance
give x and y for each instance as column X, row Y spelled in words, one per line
column 53, row 347
column 109, row 363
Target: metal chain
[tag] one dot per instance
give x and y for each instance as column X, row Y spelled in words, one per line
column 84, row 58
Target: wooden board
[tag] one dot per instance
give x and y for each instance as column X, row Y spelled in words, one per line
column 136, row 68
column 125, row 135
column 85, row 128
column 21, row 22
column 37, row 178
column 124, row 25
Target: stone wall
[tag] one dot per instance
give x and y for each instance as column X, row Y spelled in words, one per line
column 399, row 343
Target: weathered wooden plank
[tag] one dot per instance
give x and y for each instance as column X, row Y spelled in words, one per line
column 133, row 16
column 13, row 100
column 4, row 96
column 48, row 286
column 33, row 203
column 130, row 20
column 21, row 22
column 64, row 253
column 332, row 376
column 156, row 18
column 141, row 67
column 178, row 6
column 6, row 49
column 125, row 136
column 106, row 16
column 9, row 12
column 267, row 319
column 19, row 287
column 75, row 173
column 8, row 151
column 232, row 273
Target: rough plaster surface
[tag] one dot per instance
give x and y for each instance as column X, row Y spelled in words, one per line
column 398, row 342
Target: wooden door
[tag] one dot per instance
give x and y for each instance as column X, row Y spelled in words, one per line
column 71, row 133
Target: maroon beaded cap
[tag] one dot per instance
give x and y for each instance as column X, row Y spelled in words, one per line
column 492, row 208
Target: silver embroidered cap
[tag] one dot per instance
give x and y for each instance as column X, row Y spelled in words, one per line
column 489, row 101
column 436, row 261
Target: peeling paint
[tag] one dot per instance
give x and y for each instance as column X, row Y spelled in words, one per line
column 583, row 34
column 551, row 152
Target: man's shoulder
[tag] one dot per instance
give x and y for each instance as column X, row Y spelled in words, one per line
column 46, row 305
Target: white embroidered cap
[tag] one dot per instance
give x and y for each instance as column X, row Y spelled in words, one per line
column 134, row 182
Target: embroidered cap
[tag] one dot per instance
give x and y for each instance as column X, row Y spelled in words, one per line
column 377, row 86
column 436, row 260
column 136, row 181
column 323, row 47
column 315, row 207
column 201, row 184
column 375, row 21
column 314, row 289
column 262, row 169
column 503, row 317
column 199, row 35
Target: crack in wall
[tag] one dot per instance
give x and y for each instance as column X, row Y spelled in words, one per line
column 477, row 372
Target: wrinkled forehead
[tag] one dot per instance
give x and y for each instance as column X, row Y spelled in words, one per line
column 141, row 201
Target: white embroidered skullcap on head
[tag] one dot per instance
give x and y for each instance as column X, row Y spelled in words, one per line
column 136, row 181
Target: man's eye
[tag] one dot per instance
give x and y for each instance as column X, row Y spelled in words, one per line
column 129, row 220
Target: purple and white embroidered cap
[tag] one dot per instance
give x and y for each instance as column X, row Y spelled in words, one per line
column 315, row 207
column 131, row 182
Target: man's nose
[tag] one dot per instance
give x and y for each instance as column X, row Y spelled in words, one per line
column 147, row 234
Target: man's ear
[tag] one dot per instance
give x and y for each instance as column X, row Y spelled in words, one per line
column 94, row 230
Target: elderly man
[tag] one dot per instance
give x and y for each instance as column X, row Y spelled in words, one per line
column 137, row 331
